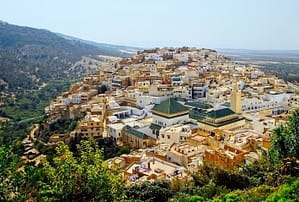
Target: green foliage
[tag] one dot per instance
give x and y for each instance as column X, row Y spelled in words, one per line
column 63, row 126
column 150, row 191
column 123, row 150
column 287, row 192
column 87, row 178
column 29, row 109
column 31, row 105
column 285, row 140
column 196, row 198
column 233, row 197
column 262, row 172
column 9, row 177
column 29, row 57
column 109, row 148
column 210, row 190
column 66, row 178
column 180, row 197
column 229, row 179
column 283, row 69
column 257, row 194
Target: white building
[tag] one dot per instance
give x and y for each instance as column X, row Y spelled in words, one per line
column 293, row 101
column 181, row 92
column 145, row 100
column 268, row 101
column 114, row 131
column 76, row 98
column 65, row 101
column 170, row 112
column 174, row 134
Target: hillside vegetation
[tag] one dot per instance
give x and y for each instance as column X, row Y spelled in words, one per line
column 87, row 177
column 30, row 57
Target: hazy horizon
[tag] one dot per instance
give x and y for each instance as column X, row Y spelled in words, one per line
column 232, row 24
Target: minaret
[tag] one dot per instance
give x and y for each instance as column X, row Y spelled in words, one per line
column 101, row 76
column 235, row 100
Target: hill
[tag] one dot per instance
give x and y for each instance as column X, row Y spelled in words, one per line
column 114, row 50
column 30, row 57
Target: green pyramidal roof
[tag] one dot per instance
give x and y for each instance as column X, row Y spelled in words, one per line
column 170, row 106
column 219, row 113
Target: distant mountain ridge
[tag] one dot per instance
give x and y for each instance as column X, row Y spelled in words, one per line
column 282, row 63
column 126, row 51
column 262, row 55
column 30, row 57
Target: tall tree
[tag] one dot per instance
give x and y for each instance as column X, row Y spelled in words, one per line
column 285, row 140
column 9, row 177
column 87, row 178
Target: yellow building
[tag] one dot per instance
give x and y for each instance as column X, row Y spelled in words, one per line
column 144, row 89
column 136, row 139
column 90, row 126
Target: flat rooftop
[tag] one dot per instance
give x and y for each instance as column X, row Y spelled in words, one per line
column 157, row 167
column 116, row 125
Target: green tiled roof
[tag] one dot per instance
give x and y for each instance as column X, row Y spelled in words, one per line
column 197, row 114
column 200, row 115
column 154, row 126
column 170, row 106
column 199, row 105
column 219, row 113
column 222, row 123
column 135, row 132
column 226, row 104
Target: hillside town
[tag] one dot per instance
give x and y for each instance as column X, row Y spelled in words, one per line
column 175, row 108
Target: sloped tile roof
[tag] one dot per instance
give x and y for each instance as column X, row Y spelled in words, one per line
column 220, row 113
column 170, row 106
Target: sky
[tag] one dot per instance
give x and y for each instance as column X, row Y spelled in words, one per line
column 236, row 24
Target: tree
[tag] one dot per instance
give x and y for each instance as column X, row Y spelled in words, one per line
column 87, row 178
column 9, row 178
column 233, row 197
column 196, row 198
column 212, row 174
column 285, row 140
column 180, row 197
column 258, row 194
column 287, row 192
column 150, row 191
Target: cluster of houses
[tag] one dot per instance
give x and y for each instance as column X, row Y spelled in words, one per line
column 176, row 108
